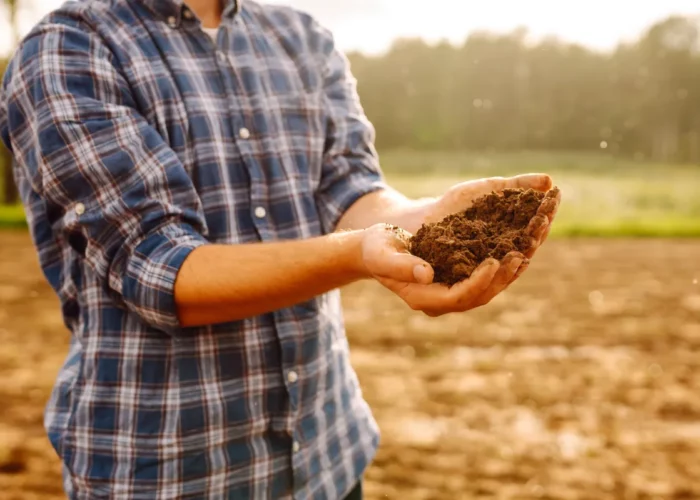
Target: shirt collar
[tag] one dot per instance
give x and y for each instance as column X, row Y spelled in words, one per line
column 174, row 8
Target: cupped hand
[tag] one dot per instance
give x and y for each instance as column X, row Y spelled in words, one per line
column 386, row 258
column 461, row 196
column 386, row 255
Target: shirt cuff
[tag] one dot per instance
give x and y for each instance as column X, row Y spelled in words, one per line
column 149, row 282
column 341, row 196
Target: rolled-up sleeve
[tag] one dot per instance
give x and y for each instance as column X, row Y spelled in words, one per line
column 350, row 164
column 116, row 192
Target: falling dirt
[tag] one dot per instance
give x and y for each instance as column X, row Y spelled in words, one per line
column 582, row 381
column 495, row 225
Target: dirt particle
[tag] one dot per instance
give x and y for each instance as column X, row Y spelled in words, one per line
column 399, row 232
column 492, row 227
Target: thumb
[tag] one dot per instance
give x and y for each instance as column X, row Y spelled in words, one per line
column 406, row 268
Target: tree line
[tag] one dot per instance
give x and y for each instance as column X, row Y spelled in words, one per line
column 498, row 92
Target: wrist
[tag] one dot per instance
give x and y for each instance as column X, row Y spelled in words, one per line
column 416, row 214
column 351, row 251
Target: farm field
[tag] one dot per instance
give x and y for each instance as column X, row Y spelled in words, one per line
column 603, row 195
column 581, row 382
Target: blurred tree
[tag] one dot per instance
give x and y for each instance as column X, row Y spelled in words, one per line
column 10, row 195
column 502, row 92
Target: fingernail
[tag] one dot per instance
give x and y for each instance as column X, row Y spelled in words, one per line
column 515, row 264
column 421, row 274
column 490, row 262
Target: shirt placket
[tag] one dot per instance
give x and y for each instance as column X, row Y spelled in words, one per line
column 243, row 134
column 288, row 333
column 286, row 329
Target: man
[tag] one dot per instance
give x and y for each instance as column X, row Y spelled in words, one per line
column 199, row 180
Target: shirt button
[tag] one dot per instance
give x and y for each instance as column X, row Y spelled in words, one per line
column 295, row 446
column 244, row 133
column 292, row 377
column 187, row 13
column 172, row 22
column 260, row 212
column 80, row 209
column 222, row 57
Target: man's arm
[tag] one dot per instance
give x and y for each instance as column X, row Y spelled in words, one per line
column 220, row 283
column 127, row 206
column 352, row 193
column 390, row 206
column 114, row 189
column 125, row 203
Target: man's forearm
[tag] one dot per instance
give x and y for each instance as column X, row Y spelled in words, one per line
column 386, row 206
column 222, row 283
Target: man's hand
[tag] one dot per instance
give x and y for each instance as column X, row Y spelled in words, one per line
column 385, row 256
column 461, row 196
column 387, row 259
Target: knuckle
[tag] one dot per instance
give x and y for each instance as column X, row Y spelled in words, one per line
column 414, row 306
column 458, row 302
column 500, row 284
column 462, row 304
column 482, row 300
column 479, row 304
column 540, row 220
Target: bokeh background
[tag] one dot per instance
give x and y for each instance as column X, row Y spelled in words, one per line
column 580, row 382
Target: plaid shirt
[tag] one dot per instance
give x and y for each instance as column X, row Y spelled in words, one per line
column 136, row 140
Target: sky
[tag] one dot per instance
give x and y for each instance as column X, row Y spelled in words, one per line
column 371, row 25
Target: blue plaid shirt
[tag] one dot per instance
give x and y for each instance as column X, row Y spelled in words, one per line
column 136, row 140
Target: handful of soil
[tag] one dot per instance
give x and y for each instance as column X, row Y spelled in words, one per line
column 492, row 227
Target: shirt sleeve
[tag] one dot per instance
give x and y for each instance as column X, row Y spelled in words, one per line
column 350, row 165
column 114, row 190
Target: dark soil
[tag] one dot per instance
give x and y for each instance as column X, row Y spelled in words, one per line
column 493, row 226
column 547, row 394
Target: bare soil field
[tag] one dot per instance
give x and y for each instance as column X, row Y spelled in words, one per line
column 581, row 382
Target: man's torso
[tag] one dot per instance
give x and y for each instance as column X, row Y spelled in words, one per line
column 218, row 413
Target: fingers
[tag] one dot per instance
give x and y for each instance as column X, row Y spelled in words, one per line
column 466, row 292
column 555, row 194
column 540, row 225
column 385, row 255
column 490, row 279
column 505, row 275
column 419, row 297
column 538, row 182
column 400, row 237
column 550, row 204
column 537, row 226
column 521, row 270
column 423, row 273
column 536, row 230
column 440, row 299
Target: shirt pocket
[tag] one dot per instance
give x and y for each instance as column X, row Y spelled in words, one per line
column 301, row 134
